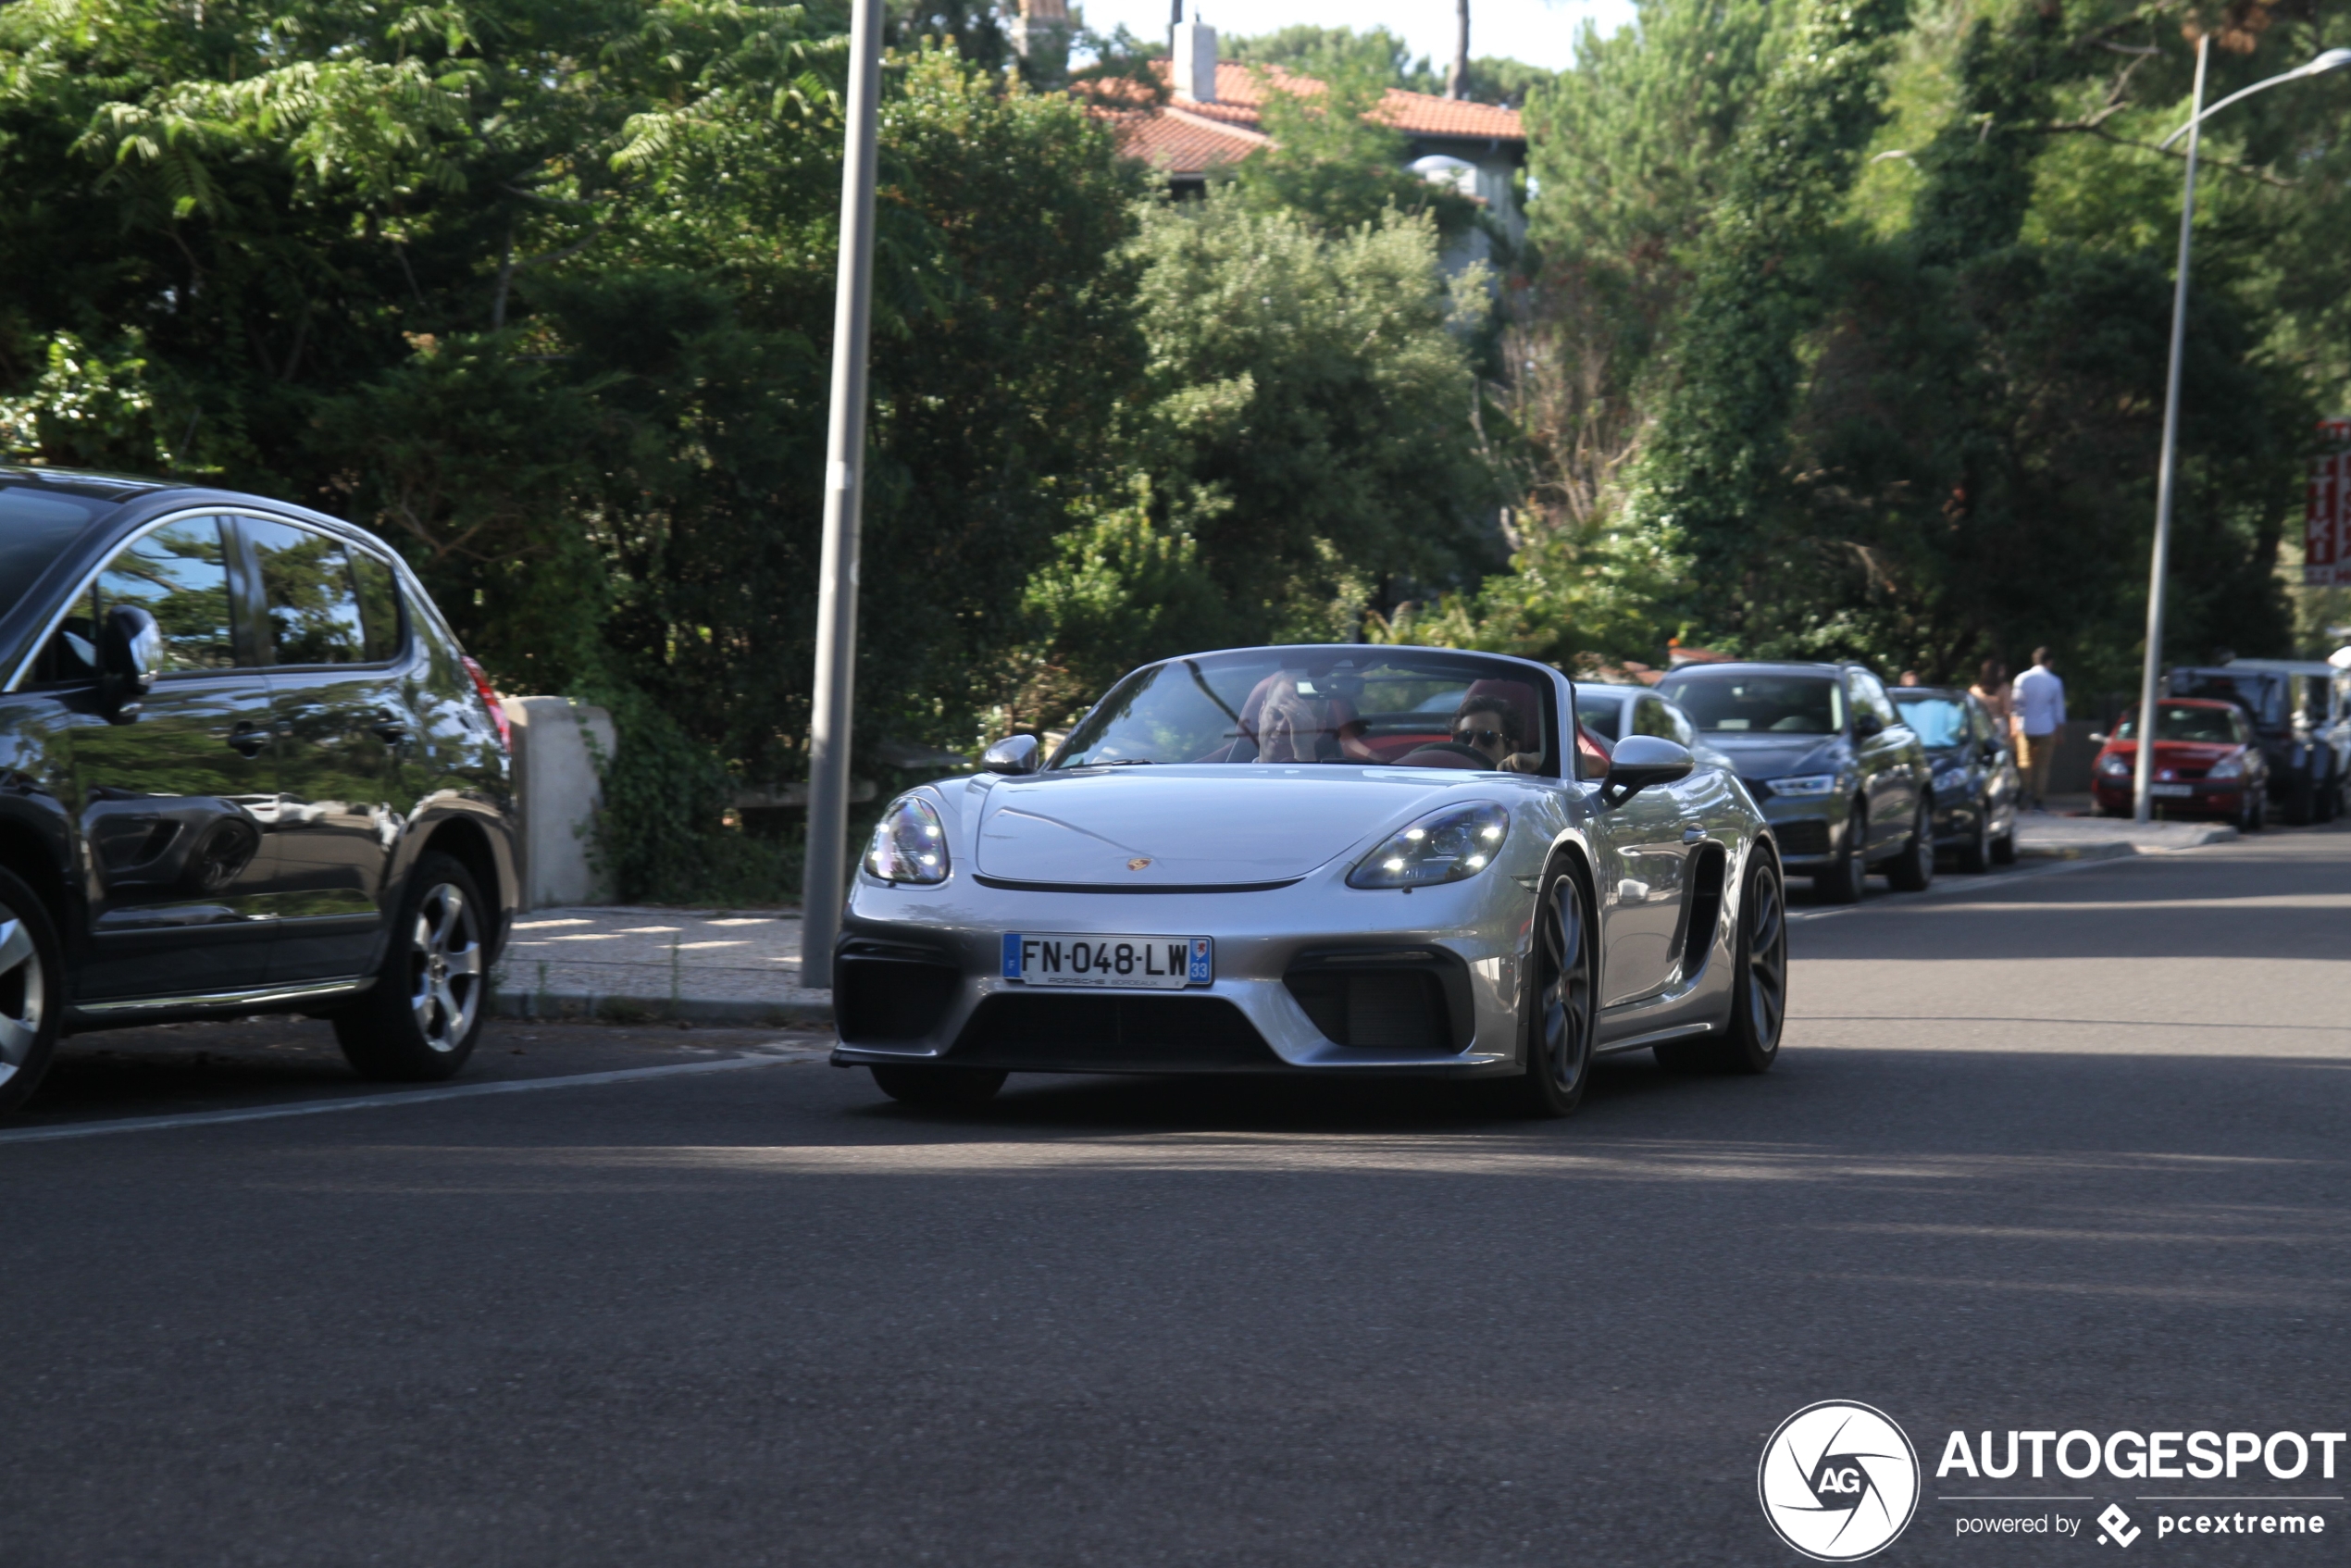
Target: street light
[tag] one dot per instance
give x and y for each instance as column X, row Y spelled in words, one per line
column 2143, row 777
column 826, row 862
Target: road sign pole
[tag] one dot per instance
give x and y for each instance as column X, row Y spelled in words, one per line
column 828, row 729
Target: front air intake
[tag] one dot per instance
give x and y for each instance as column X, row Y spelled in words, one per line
column 1414, row 999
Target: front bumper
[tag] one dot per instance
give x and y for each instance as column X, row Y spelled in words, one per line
column 2223, row 796
column 1806, row 828
column 918, row 980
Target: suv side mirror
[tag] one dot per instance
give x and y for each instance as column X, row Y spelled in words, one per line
column 1640, row 760
column 1866, row 725
column 129, row 652
column 1013, row 754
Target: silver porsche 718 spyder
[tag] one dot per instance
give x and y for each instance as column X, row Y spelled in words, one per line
column 1334, row 860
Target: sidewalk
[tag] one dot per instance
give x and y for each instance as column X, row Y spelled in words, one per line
column 2050, row 836
column 632, row 965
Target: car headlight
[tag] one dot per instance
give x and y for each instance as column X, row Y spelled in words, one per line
column 1950, row 781
column 1443, row 846
column 909, row 844
column 1804, row 785
column 2115, row 766
column 2228, row 767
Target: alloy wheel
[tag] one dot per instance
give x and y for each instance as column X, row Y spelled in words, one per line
column 444, row 967
column 1565, row 1020
column 23, row 994
column 1766, row 977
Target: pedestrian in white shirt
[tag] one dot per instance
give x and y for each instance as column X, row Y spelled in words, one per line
column 2040, row 725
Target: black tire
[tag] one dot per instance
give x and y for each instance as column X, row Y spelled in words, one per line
column 420, row 1020
column 1975, row 855
column 1912, row 871
column 1559, row 1020
column 2329, row 798
column 2255, row 813
column 1758, row 995
column 2299, row 801
column 917, row 1085
column 33, row 991
column 2004, row 848
column 1841, row 882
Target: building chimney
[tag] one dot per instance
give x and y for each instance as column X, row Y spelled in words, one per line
column 1040, row 36
column 1195, row 63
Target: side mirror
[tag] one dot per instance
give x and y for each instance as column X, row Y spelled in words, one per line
column 2097, row 739
column 1640, row 760
column 1867, row 725
column 1013, row 754
column 129, row 652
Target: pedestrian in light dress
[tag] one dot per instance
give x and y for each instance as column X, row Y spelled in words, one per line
column 1992, row 690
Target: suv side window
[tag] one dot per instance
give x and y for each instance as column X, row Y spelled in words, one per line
column 379, row 605
column 1871, row 698
column 309, row 596
column 179, row 575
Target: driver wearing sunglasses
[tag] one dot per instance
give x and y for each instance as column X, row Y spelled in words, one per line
column 1487, row 725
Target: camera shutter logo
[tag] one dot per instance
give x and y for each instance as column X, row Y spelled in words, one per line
column 1838, row 1481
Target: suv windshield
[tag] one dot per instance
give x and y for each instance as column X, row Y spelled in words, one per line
column 1759, row 704
column 36, row 527
column 1405, row 707
column 2209, row 725
column 1937, row 720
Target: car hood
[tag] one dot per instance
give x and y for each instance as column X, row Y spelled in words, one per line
column 1778, row 756
column 1214, row 825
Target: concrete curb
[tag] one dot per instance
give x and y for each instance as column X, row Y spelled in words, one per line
column 2119, row 849
column 2076, row 851
column 728, row 1011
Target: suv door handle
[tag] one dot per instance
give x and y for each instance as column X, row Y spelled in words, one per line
column 248, row 738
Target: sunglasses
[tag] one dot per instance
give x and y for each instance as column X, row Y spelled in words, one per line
column 1478, row 737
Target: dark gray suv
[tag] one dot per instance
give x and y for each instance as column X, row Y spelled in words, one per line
column 1836, row 770
column 244, row 767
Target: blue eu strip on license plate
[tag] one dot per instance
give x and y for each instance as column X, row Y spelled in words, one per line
column 1075, row 958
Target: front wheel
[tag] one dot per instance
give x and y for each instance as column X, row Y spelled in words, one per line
column 1913, row 869
column 2255, row 813
column 1562, row 991
column 420, row 1020
column 1975, row 855
column 33, row 991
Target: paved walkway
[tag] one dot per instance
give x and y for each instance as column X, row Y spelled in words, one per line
column 2047, row 835
column 696, row 965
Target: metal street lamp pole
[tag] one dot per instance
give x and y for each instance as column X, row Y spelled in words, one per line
column 2150, row 676
column 828, row 728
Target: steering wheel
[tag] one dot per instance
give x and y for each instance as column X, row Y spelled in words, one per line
column 1435, row 749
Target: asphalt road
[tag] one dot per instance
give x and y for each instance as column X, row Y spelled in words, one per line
column 2043, row 1151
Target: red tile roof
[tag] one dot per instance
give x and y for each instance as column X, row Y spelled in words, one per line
column 1187, row 136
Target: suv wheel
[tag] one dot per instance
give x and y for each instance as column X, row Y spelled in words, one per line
column 1841, row 883
column 426, row 1011
column 1975, row 855
column 1913, row 869
column 33, row 991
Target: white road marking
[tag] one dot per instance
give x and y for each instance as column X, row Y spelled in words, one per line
column 410, row 1097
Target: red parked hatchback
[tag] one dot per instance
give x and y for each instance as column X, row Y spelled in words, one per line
column 2207, row 760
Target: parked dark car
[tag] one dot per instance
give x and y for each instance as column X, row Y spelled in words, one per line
column 244, row 767
column 2207, row 762
column 1826, row 755
column 2297, row 710
column 1975, row 779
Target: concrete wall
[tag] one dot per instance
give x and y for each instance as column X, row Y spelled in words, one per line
column 557, row 744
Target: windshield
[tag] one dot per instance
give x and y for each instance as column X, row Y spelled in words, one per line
column 1406, row 707
column 36, row 527
column 1937, row 721
column 2210, row 726
column 1759, row 704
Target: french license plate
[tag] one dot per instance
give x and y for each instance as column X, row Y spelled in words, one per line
column 2171, row 790
column 1067, row 958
